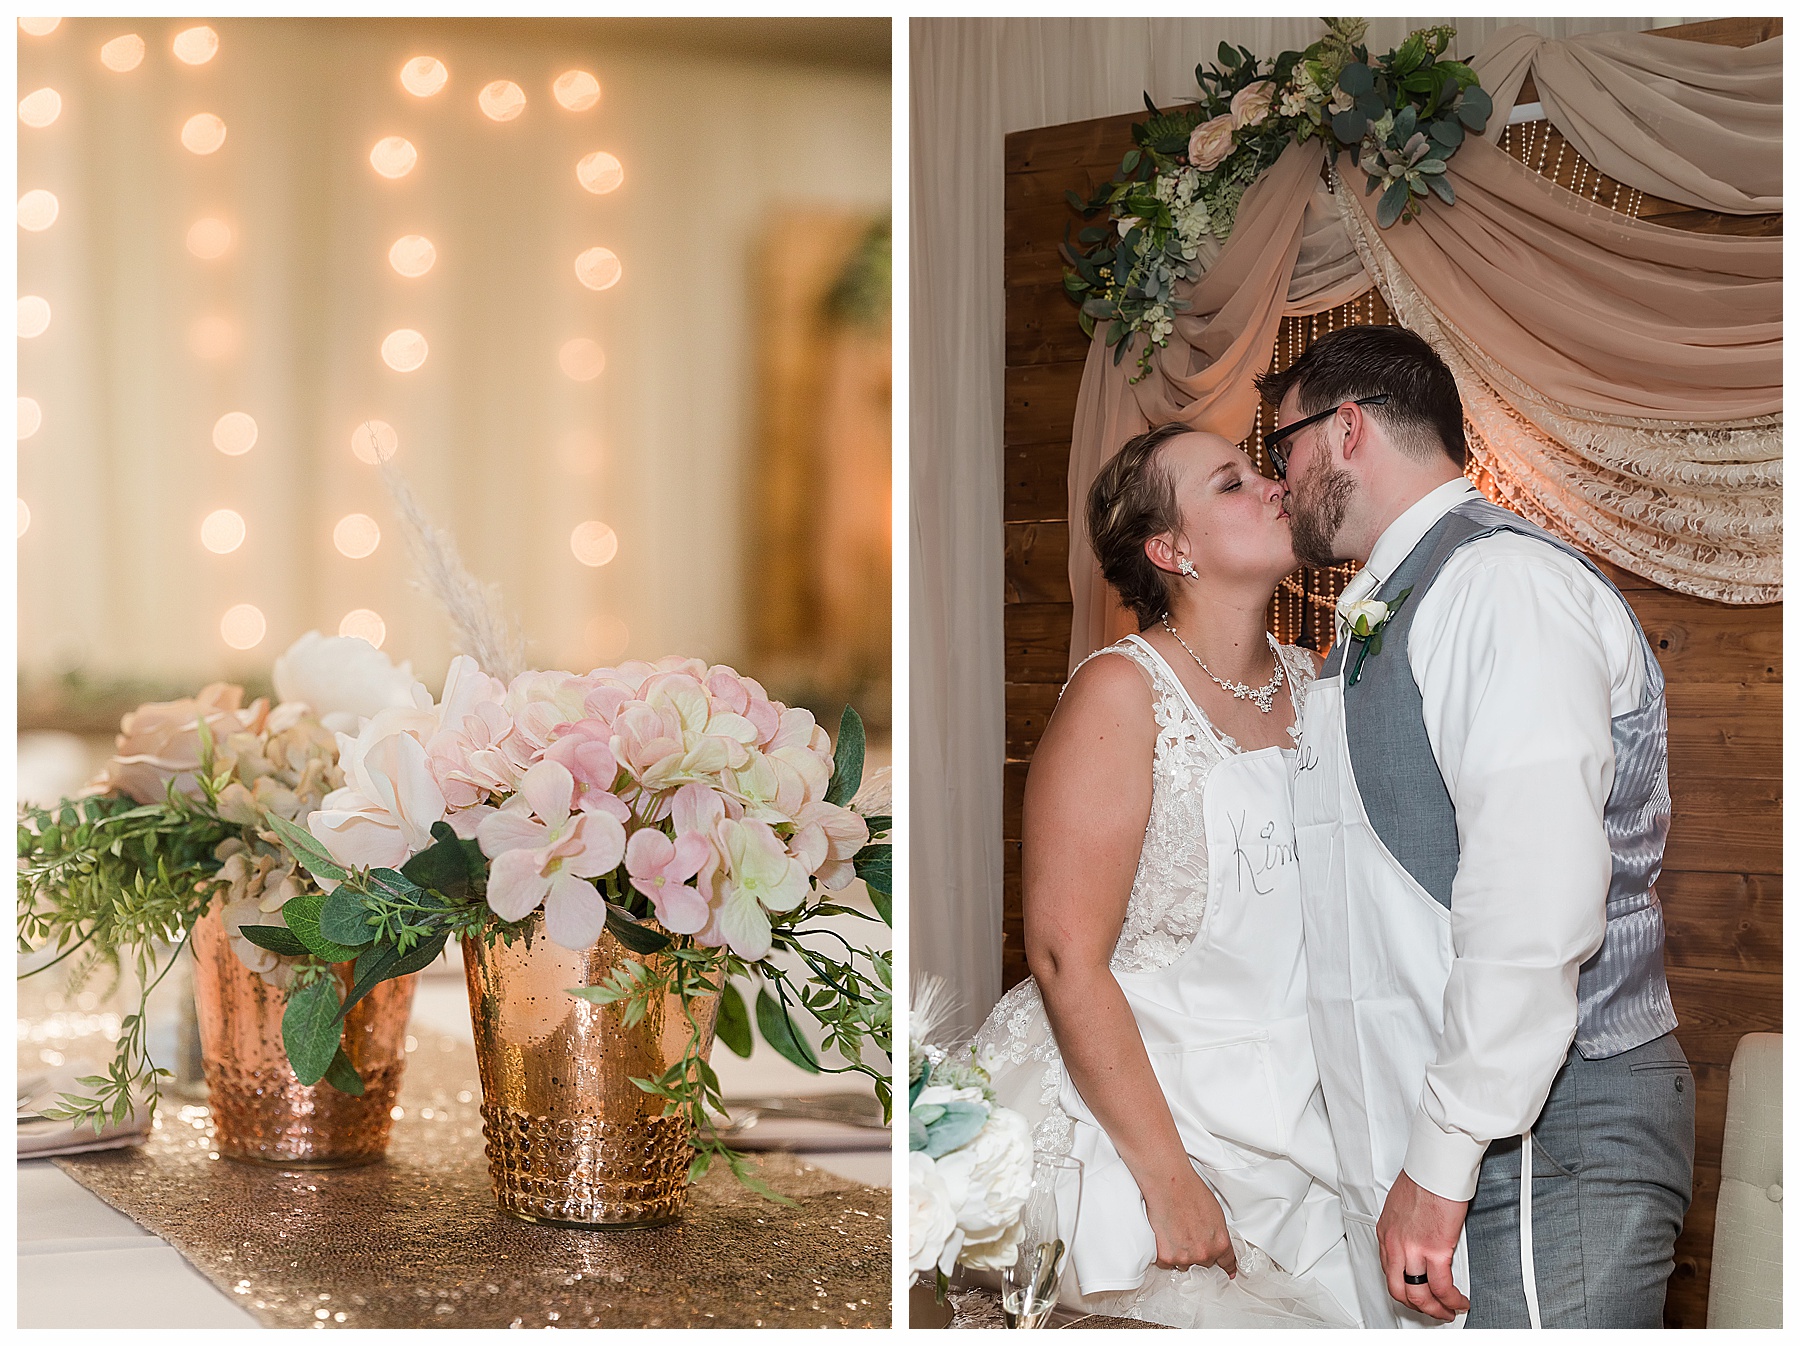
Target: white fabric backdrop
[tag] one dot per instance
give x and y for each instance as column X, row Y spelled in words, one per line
column 112, row 573
column 973, row 81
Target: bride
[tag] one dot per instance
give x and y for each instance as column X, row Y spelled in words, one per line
column 1162, row 1039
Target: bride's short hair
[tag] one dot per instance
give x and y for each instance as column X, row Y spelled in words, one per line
column 1130, row 502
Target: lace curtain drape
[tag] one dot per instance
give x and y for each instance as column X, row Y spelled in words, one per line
column 1623, row 379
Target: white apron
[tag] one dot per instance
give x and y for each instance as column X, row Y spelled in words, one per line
column 1378, row 957
column 1227, row 1033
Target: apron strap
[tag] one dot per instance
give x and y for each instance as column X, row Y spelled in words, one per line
column 1527, row 1265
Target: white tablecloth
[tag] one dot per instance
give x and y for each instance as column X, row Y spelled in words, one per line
column 84, row 1265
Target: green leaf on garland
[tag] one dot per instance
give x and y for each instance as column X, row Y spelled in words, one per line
column 1229, row 58
column 734, row 1021
column 1441, row 185
column 302, row 915
column 1393, row 202
column 779, row 1032
column 1349, row 125
column 1475, row 109
column 276, row 939
column 846, row 776
column 310, row 1029
column 342, row 1075
column 1356, row 79
column 1447, row 132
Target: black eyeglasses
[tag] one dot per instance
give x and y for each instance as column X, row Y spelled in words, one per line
column 1272, row 440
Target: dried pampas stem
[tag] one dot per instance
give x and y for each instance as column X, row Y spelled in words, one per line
column 481, row 628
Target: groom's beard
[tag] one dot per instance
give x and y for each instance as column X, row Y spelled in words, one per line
column 1315, row 522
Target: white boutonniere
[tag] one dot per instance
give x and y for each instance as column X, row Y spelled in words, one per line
column 1366, row 618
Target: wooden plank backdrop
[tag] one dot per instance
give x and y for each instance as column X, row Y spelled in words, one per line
column 1721, row 885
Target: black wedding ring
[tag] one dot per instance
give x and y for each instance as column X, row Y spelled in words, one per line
column 1411, row 1279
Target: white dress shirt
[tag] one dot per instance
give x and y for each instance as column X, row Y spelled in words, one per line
column 1522, row 657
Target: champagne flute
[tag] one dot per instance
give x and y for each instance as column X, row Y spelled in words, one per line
column 1028, row 1287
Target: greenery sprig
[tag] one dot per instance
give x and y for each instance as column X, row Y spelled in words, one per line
column 102, row 877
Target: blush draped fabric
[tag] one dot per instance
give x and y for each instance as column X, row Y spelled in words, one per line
column 1686, row 121
column 1622, row 379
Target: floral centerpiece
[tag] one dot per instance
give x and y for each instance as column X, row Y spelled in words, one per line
column 1174, row 200
column 348, row 832
column 969, row 1159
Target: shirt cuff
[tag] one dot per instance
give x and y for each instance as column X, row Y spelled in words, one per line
column 1444, row 1163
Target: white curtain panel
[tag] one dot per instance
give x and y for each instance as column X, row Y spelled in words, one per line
column 973, row 82
column 500, row 444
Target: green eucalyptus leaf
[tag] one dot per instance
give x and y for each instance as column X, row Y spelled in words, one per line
column 1447, row 132
column 342, row 1075
column 1475, row 109
column 344, row 920
column 875, row 866
column 275, row 938
column 373, row 966
column 311, row 1028
column 422, row 956
column 312, row 856
column 1356, row 79
column 1349, row 125
column 302, row 916
column 632, row 933
column 442, row 866
column 959, row 1124
column 846, row 778
column 779, row 1032
column 733, row 1027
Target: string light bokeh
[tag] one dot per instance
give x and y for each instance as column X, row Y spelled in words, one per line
column 471, row 206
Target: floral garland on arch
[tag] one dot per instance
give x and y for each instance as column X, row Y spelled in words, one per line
column 1174, row 200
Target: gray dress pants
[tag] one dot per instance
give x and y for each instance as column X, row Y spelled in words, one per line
column 1613, row 1172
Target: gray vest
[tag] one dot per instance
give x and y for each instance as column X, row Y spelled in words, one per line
column 1623, row 997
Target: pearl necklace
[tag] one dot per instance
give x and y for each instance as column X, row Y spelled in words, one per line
column 1263, row 697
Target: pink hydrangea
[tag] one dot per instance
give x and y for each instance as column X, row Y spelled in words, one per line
column 543, row 852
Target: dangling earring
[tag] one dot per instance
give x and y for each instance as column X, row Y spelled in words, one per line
column 1186, row 567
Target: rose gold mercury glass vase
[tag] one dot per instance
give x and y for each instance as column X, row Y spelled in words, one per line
column 570, row 1139
column 261, row 1113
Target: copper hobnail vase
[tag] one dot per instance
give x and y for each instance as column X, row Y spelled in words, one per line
column 261, row 1112
column 570, row 1139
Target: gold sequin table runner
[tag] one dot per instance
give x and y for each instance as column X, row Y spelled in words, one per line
column 417, row 1241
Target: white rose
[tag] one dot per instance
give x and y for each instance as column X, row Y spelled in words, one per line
column 988, row 1180
column 931, row 1220
column 1364, row 615
column 345, row 680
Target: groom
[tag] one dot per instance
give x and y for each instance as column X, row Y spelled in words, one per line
column 1481, row 804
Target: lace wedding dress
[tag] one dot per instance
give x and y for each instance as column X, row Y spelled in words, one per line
column 1165, row 915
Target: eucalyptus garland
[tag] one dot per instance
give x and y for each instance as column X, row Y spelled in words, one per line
column 1174, row 200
